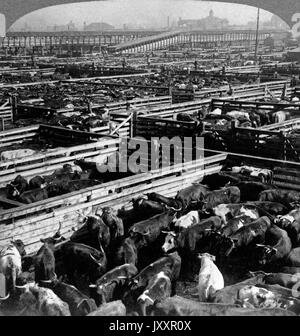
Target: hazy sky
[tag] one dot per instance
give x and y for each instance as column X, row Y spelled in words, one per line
column 119, row 12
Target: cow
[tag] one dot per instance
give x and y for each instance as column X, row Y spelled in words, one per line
column 188, row 239
column 126, row 253
column 280, row 116
column 250, row 190
column 227, row 195
column 273, row 208
column 42, row 302
column 286, row 197
column 115, row 224
column 191, row 195
column 282, row 279
column 107, row 285
column 18, row 186
column 149, row 230
column 82, row 259
column 146, row 208
column 32, row 196
column 234, row 224
column 44, row 260
column 167, row 201
column 79, row 303
column 37, row 182
column 265, row 175
column 290, row 223
column 16, row 154
column 94, row 233
column 11, row 264
column 230, row 211
column 276, row 247
column 251, row 234
column 179, row 306
column 186, row 221
column 158, row 288
column 256, row 297
column 210, row 278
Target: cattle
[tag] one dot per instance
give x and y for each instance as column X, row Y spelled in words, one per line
column 280, row 116
column 179, row 306
column 291, row 223
column 94, row 233
column 265, row 175
column 82, row 259
column 32, row 196
column 158, row 288
column 251, row 234
column 146, row 208
column 18, row 186
column 42, row 302
column 79, row 303
column 223, row 196
column 150, row 229
column 169, row 202
column 230, row 211
column 210, row 278
column 115, row 308
column 234, row 224
column 16, row 154
column 44, row 260
column 276, row 247
column 250, row 190
column 256, row 297
column 126, row 253
column 282, row 279
column 286, row 197
column 11, row 264
column 190, row 219
column 273, row 208
column 107, row 284
column 238, row 115
column 37, row 182
column 193, row 194
column 114, row 223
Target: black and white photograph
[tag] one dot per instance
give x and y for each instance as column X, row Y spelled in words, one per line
column 149, row 160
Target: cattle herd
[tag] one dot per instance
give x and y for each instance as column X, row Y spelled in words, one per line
column 227, row 246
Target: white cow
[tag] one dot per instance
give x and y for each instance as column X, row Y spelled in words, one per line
column 11, row 264
column 216, row 111
column 17, row 154
column 190, row 219
column 238, row 114
column 210, row 278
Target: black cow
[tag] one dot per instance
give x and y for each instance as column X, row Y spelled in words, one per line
column 18, row 186
column 286, row 197
column 293, row 258
column 44, row 260
column 145, row 208
column 33, row 196
column 276, row 247
column 111, row 281
column 94, row 233
column 223, row 196
column 84, row 260
column 114, row 223
column 79, row 303
column 37, row 182
column 126, row 253
column 250, row 190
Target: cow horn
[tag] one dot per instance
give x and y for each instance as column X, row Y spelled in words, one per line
column 260, row 245
column 5, row 298
column 46, row 281
column 93, row 286
column 96, row 261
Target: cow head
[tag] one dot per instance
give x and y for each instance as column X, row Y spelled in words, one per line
column 170, row 241
column 12, row 190
column 20, row 246
column 284, row 221
column 206, row 255
column 55, row 239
